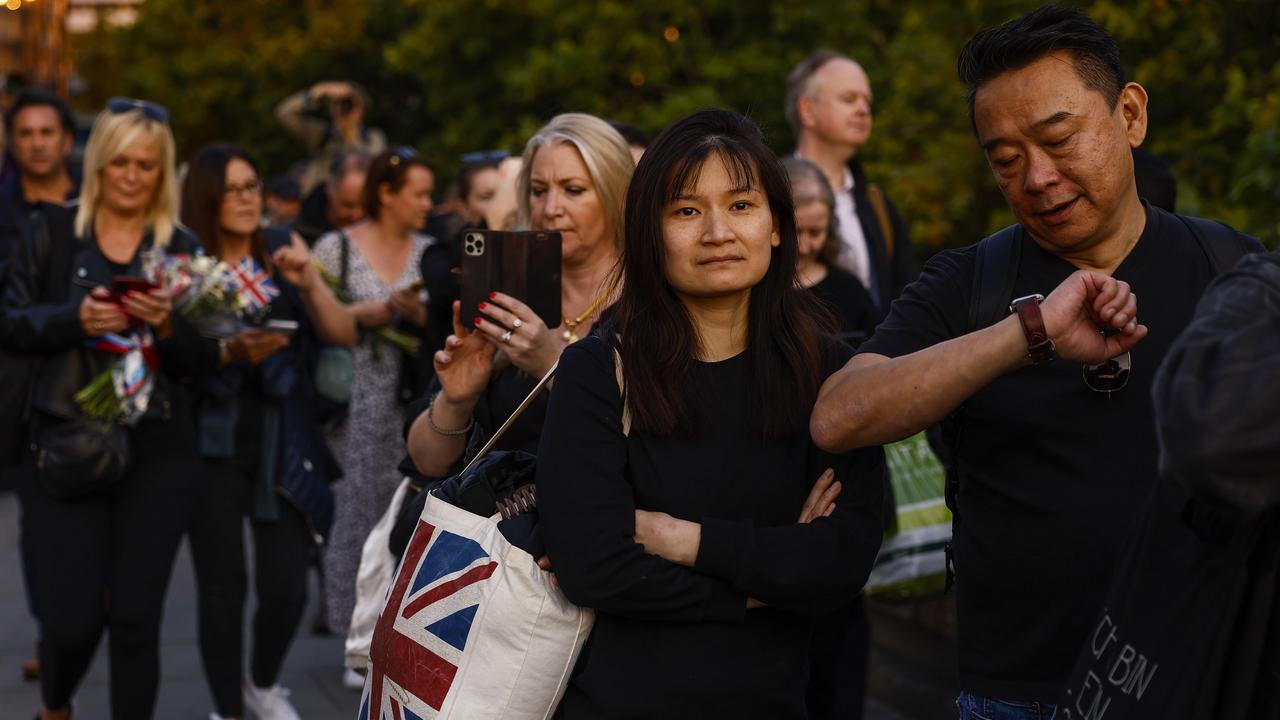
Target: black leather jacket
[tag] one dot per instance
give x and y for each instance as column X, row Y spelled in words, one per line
column 51, row 272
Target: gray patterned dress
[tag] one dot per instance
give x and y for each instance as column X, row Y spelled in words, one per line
column 369, row 444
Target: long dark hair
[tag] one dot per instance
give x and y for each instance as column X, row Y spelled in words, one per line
column 659, row 345
column 203, row 191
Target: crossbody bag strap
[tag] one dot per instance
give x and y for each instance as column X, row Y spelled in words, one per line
column 344, row 262
column 528, row 399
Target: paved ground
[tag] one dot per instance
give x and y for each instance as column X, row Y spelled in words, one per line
column 312, row 670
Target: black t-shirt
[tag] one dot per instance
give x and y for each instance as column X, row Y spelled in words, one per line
column 674, row 641
column 845, row 296
column 1052, row 473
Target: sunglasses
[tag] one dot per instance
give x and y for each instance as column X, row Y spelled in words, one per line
column 484, row 157
column 150, row 110
column 1109, row 376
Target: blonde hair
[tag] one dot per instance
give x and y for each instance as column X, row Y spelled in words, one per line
column 604, row 152
column 111, row 134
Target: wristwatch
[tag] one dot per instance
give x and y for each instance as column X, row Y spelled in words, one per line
column 1039, row 346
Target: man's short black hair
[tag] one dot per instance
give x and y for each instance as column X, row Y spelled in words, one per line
column 39, row 98
column 285, row 187
column 1020, row 42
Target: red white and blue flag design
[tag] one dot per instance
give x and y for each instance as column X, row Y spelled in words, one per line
column 253, row 285
column 422, row 632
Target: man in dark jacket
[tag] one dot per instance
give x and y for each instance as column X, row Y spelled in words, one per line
column 829, row 108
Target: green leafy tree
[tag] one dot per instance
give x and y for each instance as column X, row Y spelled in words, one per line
column 451, row 76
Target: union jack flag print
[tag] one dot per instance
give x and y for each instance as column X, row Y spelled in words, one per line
column 253, row 285
column 422, row 632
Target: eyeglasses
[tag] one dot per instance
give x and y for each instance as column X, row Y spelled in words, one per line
column 484, row 157
column 150, row 110
column 253, row 187
column 402, row 153
column 1109, row 376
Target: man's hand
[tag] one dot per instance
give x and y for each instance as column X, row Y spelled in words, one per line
column 1087, row 303
column 254, row 345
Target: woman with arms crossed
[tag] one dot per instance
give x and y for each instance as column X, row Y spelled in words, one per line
column 699, row 535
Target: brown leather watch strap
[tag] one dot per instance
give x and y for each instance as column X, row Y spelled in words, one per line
column 1039, row 346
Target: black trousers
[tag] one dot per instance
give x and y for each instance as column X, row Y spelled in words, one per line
column 838, row 664
column 103, row 562
column 282, row 553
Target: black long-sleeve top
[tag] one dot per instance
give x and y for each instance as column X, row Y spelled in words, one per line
column 672, row 641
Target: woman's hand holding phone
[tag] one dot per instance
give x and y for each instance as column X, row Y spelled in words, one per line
column 100, row 314
column 532, row 346
column 465, row 364
column 256, row 345
column 153, row 307
column 408, row 304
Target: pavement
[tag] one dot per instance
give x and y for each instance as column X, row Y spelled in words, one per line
column 312, row 671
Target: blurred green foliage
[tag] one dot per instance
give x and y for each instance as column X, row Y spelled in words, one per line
column 450, row 76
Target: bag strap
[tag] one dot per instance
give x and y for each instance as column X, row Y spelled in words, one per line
column 345, row 261
column 514, row 414
column 881, row 208
column 994, row 272
column 1219, row 242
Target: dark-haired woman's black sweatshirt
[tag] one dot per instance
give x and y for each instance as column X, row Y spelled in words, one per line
column 678, row 642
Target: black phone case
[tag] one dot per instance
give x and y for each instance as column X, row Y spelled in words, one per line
column 524, row 265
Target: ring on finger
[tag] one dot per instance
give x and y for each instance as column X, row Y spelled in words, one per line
column 515, row 324
column 97, row 325
column 506, row 338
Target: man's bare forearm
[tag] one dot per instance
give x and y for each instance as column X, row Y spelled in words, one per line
column 874, row 400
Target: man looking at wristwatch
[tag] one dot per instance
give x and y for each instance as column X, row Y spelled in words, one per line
column 1050, row 412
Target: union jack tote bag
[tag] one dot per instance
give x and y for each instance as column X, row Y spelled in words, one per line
column 472, row 628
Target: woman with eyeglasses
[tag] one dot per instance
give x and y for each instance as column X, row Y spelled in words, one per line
column 102, row 539
column 573, row 180
column 378, row 262
column 255, row 411
column 684, row 508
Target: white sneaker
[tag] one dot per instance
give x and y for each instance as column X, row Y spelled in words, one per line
column 269, row 703
column 352, row 680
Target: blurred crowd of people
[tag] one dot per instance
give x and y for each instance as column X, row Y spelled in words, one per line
column 734, row 287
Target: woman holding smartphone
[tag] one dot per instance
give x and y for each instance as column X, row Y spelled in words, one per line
column 256, row 403
column 103, row 553
column 573, row 180
column 382, row 257
column 698, row 533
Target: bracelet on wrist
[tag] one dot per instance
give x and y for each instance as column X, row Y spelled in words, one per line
column 431, row 421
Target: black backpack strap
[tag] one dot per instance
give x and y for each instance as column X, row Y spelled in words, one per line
column 994, row 272
column 1220, row 243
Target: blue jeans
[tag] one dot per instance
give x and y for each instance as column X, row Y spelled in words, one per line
column 973, row 707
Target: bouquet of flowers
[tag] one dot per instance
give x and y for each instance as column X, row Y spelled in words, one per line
column 205, row 293
column 383, row 335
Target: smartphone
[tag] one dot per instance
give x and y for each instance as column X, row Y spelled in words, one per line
column 524, row 265
column 281, row 327
column 122, row 285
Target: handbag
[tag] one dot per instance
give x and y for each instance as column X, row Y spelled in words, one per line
column 472, row 627
column 79, row 456
column 1185, row 628
column 334, row 371
column 306, row 470
column 911, row 564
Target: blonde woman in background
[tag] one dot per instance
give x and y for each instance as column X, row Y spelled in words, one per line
column 103, row 547
column 573, row 179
